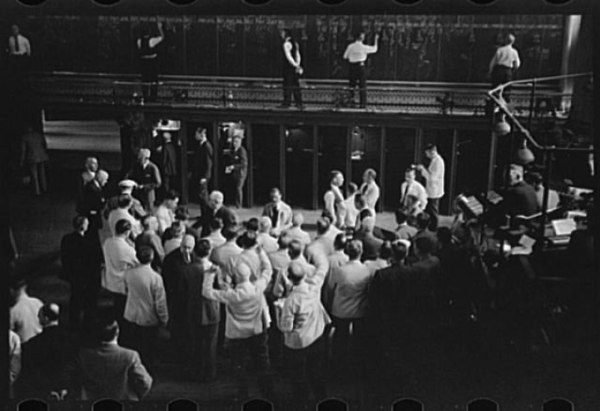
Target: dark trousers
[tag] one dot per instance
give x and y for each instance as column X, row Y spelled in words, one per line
column 118, row 305
column 38, row 177
column 433, row 209
column 202, row 350
column 305, row 368
column 83, row 300
column 291, row 86
column 357, row 77
column 149, row 71
column 501, row 75
column 346, row 345
column 258, row 348
column 143, row 340
column 238, row 182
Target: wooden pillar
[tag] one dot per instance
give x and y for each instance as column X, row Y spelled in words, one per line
column 183, row 163
column 382, row 165
column 250, row 178
column 453, row 170
column 282, row 163
column 418, row 146
column 348, row 164
column 216, row 153
column 315, row 196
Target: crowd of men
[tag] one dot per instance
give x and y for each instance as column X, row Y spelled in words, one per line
column 144, row 276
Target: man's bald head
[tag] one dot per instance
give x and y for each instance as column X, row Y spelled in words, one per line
column 264, row 224
column 298, row 219
column 188, row 242
column 368, row 224
column 243, row 273
column 296, row 272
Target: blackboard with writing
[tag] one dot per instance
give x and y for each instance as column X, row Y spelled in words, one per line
column 454, row 48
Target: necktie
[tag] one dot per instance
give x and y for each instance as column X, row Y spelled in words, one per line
column 275, row 216
column 17, row 44
column 405, row 198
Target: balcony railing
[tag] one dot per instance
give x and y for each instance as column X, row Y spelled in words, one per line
column 452, row 99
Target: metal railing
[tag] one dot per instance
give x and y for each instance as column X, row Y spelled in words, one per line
column 497, row 97
column 456, row 99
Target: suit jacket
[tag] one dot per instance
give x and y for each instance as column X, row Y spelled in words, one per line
column 203, row 161
column 172, row 270
column 371, row 245
column 111, row 371
column 239, row 161
column 228, row 216
column 45, row 362
column 193, row 309
column 78, row 257
column 92, row 204
column 520, row 199
column 284, row 211
column 33, row 146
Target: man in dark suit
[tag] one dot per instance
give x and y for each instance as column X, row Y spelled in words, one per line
column 175, row 265
column 46, row 357
column 238, row 167
column 520, row 198
column 371, row 244
column 81, row 268
column 202, row 165
column 218, row 210
column 91, row 206
column 107, row 370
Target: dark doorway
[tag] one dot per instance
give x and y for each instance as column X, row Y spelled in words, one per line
column 365, row 151
column 399, row 155
column 266, row 160
column 332, row 156
column 299, row 153
column 224, row 150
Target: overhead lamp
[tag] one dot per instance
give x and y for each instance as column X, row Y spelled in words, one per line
column 524, row 155
column 502, row 127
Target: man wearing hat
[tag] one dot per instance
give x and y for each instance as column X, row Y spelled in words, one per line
column 126, row 187
column 146, row 174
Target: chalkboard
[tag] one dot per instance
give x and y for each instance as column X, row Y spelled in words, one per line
column 411, row 47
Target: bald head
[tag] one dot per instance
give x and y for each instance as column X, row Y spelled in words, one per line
column 298, row 219
column 243, row 273
column 216, row 199
column 296, row 272
column 49, row 314
column 187, row 244
column 101, row 177
column 264, row 224
column 368, row 224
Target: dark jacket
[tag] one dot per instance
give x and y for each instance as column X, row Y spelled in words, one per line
column 203, row 161
column 239, row 161
column 45, row 360
column 77, row 256
column 111, row 371
column 371, row 245
column 92, row 203
column 193, row 308
column 520, row 199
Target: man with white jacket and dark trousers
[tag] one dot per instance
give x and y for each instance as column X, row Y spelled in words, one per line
column 247, row 320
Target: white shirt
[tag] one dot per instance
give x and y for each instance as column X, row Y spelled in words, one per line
column 215, row 239
column 14, row 356
column 374, row 265
column 268, row 243
column 287, row 50
column 370, row 193
column 146, row 299
column 303, row 317
column 24, row 46
column 122, row 214
column 297, row 233
column 416, row 189
column 152, row 42
column 434, row 174
column 506, row 56
column 247, row 313
column 119, row 256
column 24, row 317
column 357, row 52
column 165, row 218
column 351, row 211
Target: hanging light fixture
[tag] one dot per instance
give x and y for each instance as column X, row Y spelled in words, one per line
column 502, row 128
column 524, row 155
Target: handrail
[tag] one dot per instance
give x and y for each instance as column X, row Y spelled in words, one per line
column 501, row 103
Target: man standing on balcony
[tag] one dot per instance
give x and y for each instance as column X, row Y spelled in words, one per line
column 504, row 64
column 291, row 70
column 356, row 53
column 147, row 46
column 19, row 51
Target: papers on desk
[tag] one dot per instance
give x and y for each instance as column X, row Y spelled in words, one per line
column 564, row 227
column 525, row 246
